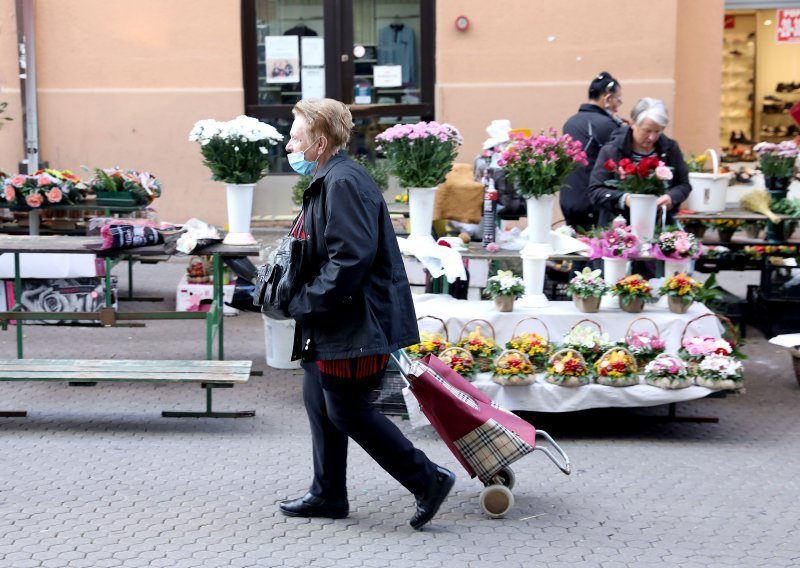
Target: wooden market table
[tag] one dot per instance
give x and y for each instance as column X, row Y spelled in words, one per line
column 108, row 316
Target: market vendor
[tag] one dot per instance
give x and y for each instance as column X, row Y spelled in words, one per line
column 644, row 138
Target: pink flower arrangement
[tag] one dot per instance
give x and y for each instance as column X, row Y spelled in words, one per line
column 45, row 187
column 644, row 346
column 699, row 347
column 616, row 242
column 420, row 154
column 676, row 245
column 539, row 164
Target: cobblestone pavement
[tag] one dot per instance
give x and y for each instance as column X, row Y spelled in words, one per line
column 94, row 477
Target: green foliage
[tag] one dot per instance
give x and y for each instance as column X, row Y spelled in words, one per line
column 299, row 187
column 710, row 293
column 378, row 171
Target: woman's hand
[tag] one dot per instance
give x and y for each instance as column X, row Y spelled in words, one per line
column 664, row 200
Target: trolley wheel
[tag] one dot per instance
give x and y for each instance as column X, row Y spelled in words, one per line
column 496, row 501
column 505, row 477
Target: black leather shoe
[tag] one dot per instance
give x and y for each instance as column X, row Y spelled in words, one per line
column 312, row 506
column 428, row 506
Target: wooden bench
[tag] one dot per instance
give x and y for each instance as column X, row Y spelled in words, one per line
column 88, row 372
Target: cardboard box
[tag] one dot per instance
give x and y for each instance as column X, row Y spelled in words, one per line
column 198, row 297
column 57, row 295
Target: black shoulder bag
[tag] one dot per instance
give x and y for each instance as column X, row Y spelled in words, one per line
column 277, row 282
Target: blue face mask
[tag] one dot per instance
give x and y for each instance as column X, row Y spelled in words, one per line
column 298, row 162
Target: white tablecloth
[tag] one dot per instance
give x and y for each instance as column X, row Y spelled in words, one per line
column 559, row 318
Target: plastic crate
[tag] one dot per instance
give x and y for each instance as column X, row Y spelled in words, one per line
column 773, row 315
column 780, row 282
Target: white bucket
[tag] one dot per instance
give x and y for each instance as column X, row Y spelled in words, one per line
column 708, row 190
column 279, row 339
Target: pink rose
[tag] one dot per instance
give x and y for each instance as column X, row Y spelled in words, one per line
column 54, row 195
column 44, row 179
column 682, row 245
column 663, row 173
column 34, row 200
column 10, row 194
column 18, row 180
column 492, row 247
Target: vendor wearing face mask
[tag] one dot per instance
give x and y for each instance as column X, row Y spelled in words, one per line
column 352, row 311
column 644, row 138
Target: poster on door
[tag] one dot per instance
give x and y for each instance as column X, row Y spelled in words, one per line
column 788, row 26
column 282, row 58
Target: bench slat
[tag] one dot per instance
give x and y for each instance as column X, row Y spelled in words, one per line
column 91, row 370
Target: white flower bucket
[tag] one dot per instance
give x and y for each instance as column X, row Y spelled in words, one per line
column 614, row 269
column 279, row 339
column 420, row 212
column 673, row 266
column 708, row 190
column 643, row 215
column 540, row 216
column 240, row 209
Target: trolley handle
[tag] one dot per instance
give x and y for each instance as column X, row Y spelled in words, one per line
column 567, row 466
column 403, row 363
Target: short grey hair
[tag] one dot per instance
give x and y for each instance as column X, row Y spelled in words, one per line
column 654, row 109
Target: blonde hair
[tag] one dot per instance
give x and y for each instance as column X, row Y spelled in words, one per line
column 326, row 117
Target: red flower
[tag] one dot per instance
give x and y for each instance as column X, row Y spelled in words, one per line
column 610, row 165
column 629, row 168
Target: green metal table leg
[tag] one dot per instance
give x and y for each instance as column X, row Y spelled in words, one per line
column 17, row 298
column 209, row 412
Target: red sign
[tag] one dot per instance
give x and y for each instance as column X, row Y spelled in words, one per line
column 788, row 26
column 730, row 22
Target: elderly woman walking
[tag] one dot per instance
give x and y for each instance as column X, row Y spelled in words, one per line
column 352, row 311
column 644, row 138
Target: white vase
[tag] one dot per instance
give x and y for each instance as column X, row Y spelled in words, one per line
column 420, row 212
column 614, row 269
column 540, row 216
column 673, row 266
column 643, row 215
column 240, row 209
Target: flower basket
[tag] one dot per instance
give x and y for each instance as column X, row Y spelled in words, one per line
column 718, row 372
column 643, row 346
column 633, row 292
column 696, row 348
column 667, row 371
column 568, row 368
column 123, row 188
column 589, row 341
column 616, row 368
column 513, row 368
column 460, row 360
column 483, row 348
column 537, row 347
column 431, row 342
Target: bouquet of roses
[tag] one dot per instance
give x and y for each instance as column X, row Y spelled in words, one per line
column 422, row 154
column 667, row 372
column 719, row 372
column 539, row 164
column 676, row 245
column 649, row 177
column 615, row 242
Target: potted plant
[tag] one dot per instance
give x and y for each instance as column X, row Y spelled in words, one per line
column 420, row 155
column 776, row 162
column 115, row 186
column 615, row 245
column 718, row 372
column 587, row 288
column 537, row 166
column 513, row 368
column 616, row 368
column 644, row 182
column 725, row 228
column 237, row 153
column 504, row 288
column 667, row 371
column 681, row 291
column 633, row 292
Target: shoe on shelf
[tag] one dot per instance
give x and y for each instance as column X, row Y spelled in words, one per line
column 428, row 505
column 312, row 506
column 773, row 98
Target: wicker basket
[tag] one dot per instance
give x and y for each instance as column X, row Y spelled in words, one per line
column 540, row 361
column 624, row 381
column 569, row 381
column 483, row 362
column 443, row 335
column 513, row 380
column 446, row 356
column 644, row 359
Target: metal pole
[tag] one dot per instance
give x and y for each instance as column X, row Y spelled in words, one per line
column 31, row 109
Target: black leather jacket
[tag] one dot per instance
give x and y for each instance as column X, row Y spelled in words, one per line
column 606, row 199
column 356, row 300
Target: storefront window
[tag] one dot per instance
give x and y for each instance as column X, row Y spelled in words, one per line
column 377, row 56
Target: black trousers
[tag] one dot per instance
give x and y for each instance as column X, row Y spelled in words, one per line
column 337, row 413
